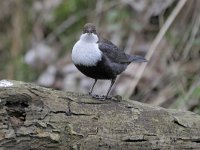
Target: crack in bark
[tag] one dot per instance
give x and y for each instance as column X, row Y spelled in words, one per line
column 79, row 114
column 70, row 113
column 58, row 112
column 134, row 140
column 93, row 103
column 36, row 92
column 177, row 122
column 196, row 141
column 189, row 140
column 43, row 117
column 66, row 98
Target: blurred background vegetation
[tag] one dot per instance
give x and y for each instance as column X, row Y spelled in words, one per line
column 37, row 36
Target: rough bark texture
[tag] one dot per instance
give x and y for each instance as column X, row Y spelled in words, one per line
column 33, row 117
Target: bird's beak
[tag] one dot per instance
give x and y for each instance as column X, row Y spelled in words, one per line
column 90, row 31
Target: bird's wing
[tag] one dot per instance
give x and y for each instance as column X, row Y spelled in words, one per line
column 112, row 52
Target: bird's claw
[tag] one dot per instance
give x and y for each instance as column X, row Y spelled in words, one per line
column 100, row 97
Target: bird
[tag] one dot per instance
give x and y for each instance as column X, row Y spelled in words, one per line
column 100, row 59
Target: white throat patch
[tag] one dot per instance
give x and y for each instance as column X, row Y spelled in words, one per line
column 86, row 51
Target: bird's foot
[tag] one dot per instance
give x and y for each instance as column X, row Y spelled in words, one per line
column 100, row 97
column 90, row 93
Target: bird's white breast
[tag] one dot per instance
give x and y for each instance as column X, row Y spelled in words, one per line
column 86, row 51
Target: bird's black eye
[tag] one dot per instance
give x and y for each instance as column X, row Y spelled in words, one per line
column 94, row 31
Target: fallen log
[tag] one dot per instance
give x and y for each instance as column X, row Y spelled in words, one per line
column 34, row 117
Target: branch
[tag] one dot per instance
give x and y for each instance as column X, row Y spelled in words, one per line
column 33, row 117
column 154, row 46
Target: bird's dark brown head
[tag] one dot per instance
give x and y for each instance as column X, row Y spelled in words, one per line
column 89, row 28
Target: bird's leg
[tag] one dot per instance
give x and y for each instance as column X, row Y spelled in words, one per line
column 90, row 92
column 95, row 95
column 111, row 84
column 102, row 97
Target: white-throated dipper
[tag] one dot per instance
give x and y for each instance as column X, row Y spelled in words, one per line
column 99, row 58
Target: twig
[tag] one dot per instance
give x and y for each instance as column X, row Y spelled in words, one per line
column 195, row 30
column 154, row 46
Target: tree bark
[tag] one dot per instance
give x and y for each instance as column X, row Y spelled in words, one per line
column 34, row 117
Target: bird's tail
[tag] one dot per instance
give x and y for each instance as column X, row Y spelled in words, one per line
column 136, row 58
